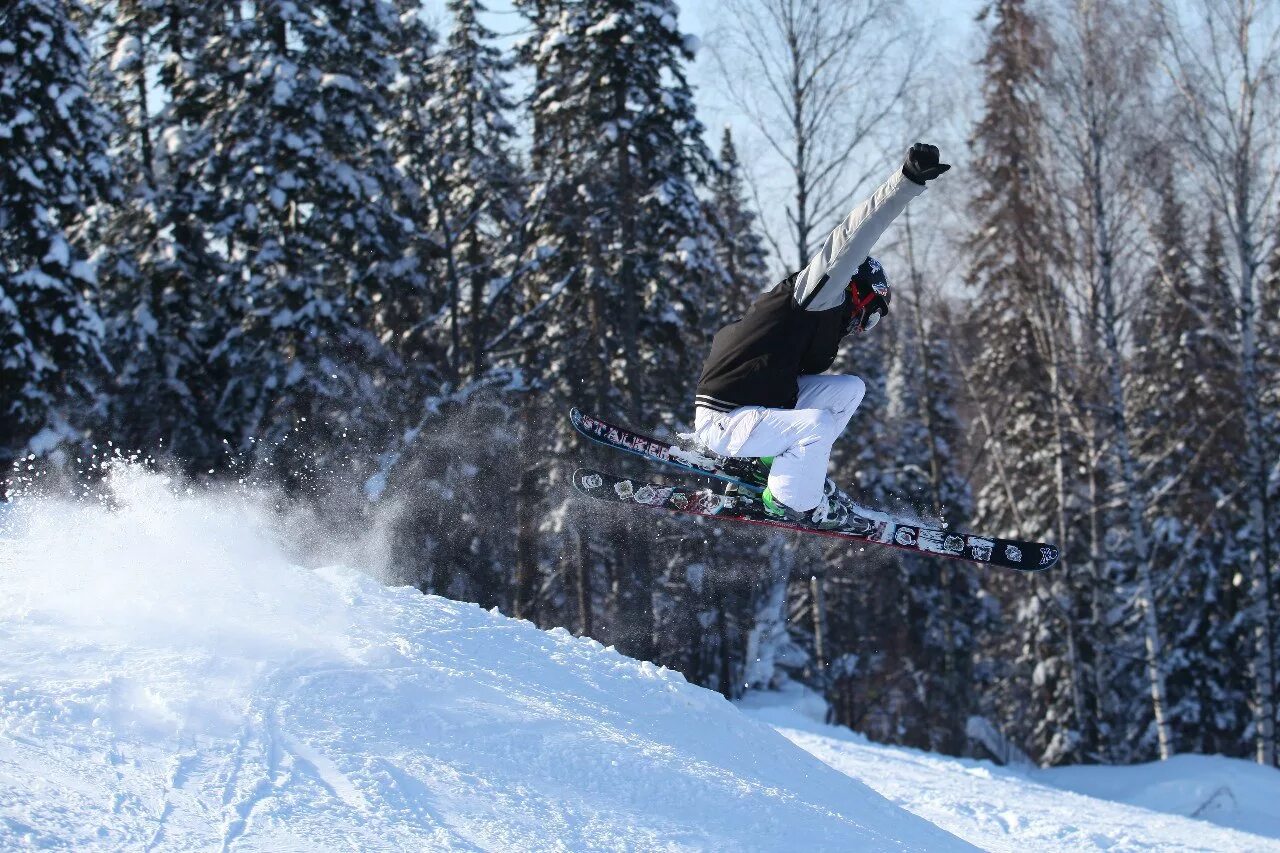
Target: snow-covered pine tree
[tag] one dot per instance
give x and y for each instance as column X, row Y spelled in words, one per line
column 618, row 156
column 1269, row 402
column 1227, row 122
column 408, row 319
column 53, row 143
column 625, row 251
column 740, row 248
column 473, row 184
column 303, row 189
column 452, row 136
column 1189, row 439
column 1010, row 268
column 1020, row 358
column 941, row 599
column 155, row 269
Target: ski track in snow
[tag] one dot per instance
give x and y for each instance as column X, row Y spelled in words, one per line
column 425, row 751
column 170, row 680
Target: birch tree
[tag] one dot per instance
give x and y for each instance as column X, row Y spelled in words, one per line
column 1021, row 358
column 1223, row 59
column 1097, row 83
column 815, row 78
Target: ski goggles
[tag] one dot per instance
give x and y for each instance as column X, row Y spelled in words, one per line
column 868, row 321
column 867, row 310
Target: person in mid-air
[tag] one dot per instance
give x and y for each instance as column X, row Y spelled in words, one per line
column 763, row 393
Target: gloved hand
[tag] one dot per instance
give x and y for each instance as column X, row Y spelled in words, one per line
column 922, row 164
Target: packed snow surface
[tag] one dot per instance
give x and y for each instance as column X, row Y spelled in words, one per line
column 171, row 679
column 178, row 672
column 1187, row 803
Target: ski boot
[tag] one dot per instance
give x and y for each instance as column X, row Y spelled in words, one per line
column 835, row 496
column 759, row 473
column 754, row 471
column 827, row 515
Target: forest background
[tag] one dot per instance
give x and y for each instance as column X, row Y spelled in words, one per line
column 368, row 252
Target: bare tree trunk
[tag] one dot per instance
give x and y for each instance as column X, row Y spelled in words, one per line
column 728, row 685
column 1060, row 463
column 1136, row 502
column 954, row 676
column 524, row 605
column 819, row 614
column 1098, row 618
column 144, row 117
column 585, row 600
column 1100, row 66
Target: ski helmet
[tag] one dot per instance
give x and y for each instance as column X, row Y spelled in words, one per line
column 869, row 292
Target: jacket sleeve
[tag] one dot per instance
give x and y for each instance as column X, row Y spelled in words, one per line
column 821, row 282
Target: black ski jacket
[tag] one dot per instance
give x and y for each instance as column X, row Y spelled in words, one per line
column 756, row 360
column 796, row 328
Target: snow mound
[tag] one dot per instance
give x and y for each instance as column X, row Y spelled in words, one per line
column 172, row 679
column 1163, row 807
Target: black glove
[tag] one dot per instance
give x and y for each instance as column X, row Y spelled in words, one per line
column 922, row 164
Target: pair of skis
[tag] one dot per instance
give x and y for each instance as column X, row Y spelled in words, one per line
column 744, row 504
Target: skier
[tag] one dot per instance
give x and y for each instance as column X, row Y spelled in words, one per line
column 763, row 393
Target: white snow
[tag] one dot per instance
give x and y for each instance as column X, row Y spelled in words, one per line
column 341, row 81
column 375, row 485
column 170, row 679
column 607, row 25
column 26, row 175
column 1024, row 810
column 45, row 441
column 84, row 271
column 1226, row 791
column 59, row 252
column 282, row 91
column 173, row 678
column 128, row 54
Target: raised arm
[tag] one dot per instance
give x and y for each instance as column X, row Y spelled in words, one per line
column 821, row 283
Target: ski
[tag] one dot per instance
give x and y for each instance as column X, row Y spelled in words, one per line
column 724, row 468
column 864, row 526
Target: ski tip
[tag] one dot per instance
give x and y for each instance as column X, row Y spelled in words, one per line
column 1052, row 561
column 1047, row 559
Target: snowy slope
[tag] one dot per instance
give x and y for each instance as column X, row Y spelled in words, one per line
column 170, row 680
column 1036, row 810
column 1226, row 791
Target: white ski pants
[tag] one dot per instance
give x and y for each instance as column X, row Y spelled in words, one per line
column 799, row 439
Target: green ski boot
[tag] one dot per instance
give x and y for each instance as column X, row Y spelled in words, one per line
column 825, row 516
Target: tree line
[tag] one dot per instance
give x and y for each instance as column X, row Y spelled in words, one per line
column 329, row 244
